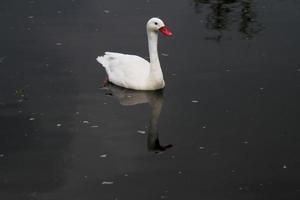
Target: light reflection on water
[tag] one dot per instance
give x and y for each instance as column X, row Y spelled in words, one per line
column 155, row 100
column 223, row 15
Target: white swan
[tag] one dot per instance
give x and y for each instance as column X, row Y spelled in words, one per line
column 134, row 72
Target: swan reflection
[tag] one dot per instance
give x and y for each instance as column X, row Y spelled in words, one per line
column 127, row 97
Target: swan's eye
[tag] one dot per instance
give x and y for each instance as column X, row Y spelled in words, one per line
column 155, row 23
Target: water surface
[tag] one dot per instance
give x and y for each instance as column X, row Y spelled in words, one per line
column 225, row 127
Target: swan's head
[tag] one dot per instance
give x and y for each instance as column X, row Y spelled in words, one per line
column 155, row 24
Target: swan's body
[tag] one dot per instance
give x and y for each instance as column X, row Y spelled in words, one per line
column 134, row 72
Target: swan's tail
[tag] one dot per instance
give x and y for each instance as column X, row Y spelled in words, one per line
column 102, row 61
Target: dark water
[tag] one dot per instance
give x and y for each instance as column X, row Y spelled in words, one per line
column 225, row 127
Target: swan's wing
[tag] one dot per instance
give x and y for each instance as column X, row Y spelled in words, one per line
column 125, row 70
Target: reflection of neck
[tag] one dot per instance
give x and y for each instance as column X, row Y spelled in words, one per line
column 156, row 106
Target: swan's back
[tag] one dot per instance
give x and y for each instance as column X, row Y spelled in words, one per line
column 125, row 70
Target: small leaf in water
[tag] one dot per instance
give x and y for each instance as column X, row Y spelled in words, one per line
column 107, row 182
column 141, row 132
column 20, row 92
column 284, row 166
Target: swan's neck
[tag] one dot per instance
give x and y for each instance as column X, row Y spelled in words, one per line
column 155, row 69
column 152, row 44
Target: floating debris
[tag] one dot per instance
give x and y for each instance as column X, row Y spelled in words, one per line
column 2, row 155
column 201, row 148
column 106, row 11
column 107, row 182
column 195, row 101
column 32, row 118
column 103, row 156
column 173, row 74
column 298, row 70
column 20, row 93
column 58, row 125
column 165, row 54
column 126, row 175
column 261, row 88
column 95, row 126
column 59, row 12
column 141, row 132
column 30, row 17
column 173, row 157
column 58, row 43
column 85, row 122
column 245, row 142
column 204, row 126
column 284, row 166
column 179, row 172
